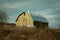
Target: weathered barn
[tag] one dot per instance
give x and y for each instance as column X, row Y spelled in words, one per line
column 25, row 19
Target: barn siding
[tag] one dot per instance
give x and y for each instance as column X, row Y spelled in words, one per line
column 41, row 24
column 24, row 22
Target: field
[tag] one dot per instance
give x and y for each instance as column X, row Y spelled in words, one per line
column 11, row 32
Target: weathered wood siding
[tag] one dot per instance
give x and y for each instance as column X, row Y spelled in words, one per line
column 41, row 24
column 24, row 20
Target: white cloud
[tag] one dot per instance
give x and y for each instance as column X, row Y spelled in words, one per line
column 17, row 4
column 42, row 12
column 8, row 5
column 50, row 16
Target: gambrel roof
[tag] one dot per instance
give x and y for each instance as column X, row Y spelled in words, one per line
column 40, row 19
column 35, row 18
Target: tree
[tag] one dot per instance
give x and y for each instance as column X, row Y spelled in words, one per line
column 3, row 17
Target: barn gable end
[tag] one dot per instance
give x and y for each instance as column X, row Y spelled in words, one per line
column 24, row 19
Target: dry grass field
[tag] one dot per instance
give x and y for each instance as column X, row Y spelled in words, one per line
column 8, row 32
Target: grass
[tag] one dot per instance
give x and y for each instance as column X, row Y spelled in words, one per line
column 27, row 33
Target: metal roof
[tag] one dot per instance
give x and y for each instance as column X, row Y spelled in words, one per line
column 39, row 18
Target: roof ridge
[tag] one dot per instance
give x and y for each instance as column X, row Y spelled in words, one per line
column 20, row 15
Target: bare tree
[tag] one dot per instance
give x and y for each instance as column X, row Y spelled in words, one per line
column 3, row 17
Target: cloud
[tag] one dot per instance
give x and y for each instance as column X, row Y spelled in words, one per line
column 52, row 16
column 44, row 12
column 8, row 5
column 19, row 4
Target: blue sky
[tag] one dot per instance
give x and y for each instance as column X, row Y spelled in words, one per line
column 50, row 9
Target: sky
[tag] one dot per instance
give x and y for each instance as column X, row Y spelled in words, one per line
column 50, row 9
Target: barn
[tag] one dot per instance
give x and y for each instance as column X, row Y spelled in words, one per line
column 25, row 19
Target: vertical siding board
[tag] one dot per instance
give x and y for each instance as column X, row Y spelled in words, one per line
column 24, row 22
